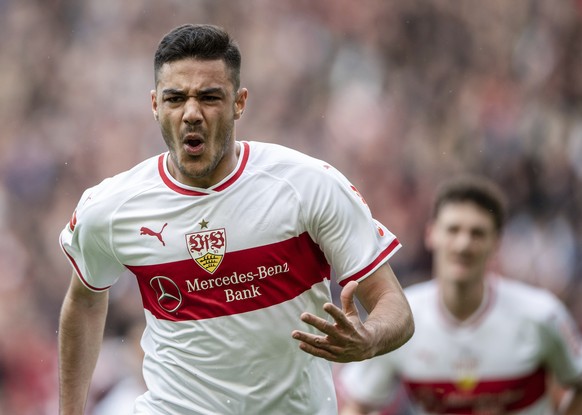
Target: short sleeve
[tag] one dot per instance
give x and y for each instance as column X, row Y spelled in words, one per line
column 564, row 346
column 86, row 242
column 341, row 223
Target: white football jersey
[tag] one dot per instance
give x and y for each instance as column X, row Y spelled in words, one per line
column 225, row 273
column 494, row 363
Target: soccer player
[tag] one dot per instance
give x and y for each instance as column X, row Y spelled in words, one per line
column 483, row 344
column 231, row 243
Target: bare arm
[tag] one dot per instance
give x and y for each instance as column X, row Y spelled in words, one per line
column 351, row 407
column 389, row 324
column 390, row 317
column 572, row 402
column 355, row 408
column 81, row 328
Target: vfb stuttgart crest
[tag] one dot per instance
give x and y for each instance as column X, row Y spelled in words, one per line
column 207, row 248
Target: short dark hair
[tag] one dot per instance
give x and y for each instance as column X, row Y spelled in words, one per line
column 199, row 41
column 476, row 189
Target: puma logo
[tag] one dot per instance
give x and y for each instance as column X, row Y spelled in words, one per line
column 149, row 232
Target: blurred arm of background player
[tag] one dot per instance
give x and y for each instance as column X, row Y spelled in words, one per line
column 571, row 403
column 352, row 407
column 388, row 326
column 81, row 327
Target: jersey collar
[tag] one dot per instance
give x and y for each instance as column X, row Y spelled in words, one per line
column 197, row 191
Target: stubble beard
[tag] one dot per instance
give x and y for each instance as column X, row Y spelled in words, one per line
column 205, row 171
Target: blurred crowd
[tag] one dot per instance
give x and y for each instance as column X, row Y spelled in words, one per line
column 396, row 94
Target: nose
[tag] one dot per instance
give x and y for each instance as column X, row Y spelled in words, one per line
column 192, row 113
column 463, row 241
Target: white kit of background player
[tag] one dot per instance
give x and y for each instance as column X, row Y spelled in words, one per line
column 495, row 362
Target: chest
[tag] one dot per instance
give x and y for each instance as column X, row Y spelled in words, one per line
column 218, row 254
column 502, row 345
column 162, row 227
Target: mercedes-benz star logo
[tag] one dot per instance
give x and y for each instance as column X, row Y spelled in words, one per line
column 169, row 296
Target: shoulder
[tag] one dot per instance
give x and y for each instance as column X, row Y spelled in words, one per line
column 532, row 302
column 101, row 200
column 422, row 293
column 423, row 300
column 309, row 177
column 271, row 152
column 285, row 162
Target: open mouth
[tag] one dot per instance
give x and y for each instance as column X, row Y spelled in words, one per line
column 193, row 142
column 193, row 145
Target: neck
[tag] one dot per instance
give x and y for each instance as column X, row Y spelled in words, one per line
column 462, row 300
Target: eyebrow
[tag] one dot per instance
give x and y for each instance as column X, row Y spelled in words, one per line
column 214, row 90
column 172, row 91
column 175, row 91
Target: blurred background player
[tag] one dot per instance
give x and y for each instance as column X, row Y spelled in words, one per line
column 483, row 344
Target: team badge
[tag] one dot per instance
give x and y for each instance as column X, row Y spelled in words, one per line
column 207, row 248
column 467, row 383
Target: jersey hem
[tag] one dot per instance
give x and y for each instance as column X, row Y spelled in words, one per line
column 78, row 271
column 383, row 257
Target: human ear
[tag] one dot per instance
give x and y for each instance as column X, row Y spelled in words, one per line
column 429, row 237
column 240, row 103
column 154, row 104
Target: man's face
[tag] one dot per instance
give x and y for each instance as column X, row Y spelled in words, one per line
column 196, row 106
column 462, row 238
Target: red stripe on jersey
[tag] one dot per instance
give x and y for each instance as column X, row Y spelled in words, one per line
column 239, row 171
column 73, row 221
column 246, row 280
column 383, row 255
column 491, row 396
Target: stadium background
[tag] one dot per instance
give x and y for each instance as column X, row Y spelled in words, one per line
column 396, row 94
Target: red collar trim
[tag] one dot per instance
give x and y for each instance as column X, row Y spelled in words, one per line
column 193, row 191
